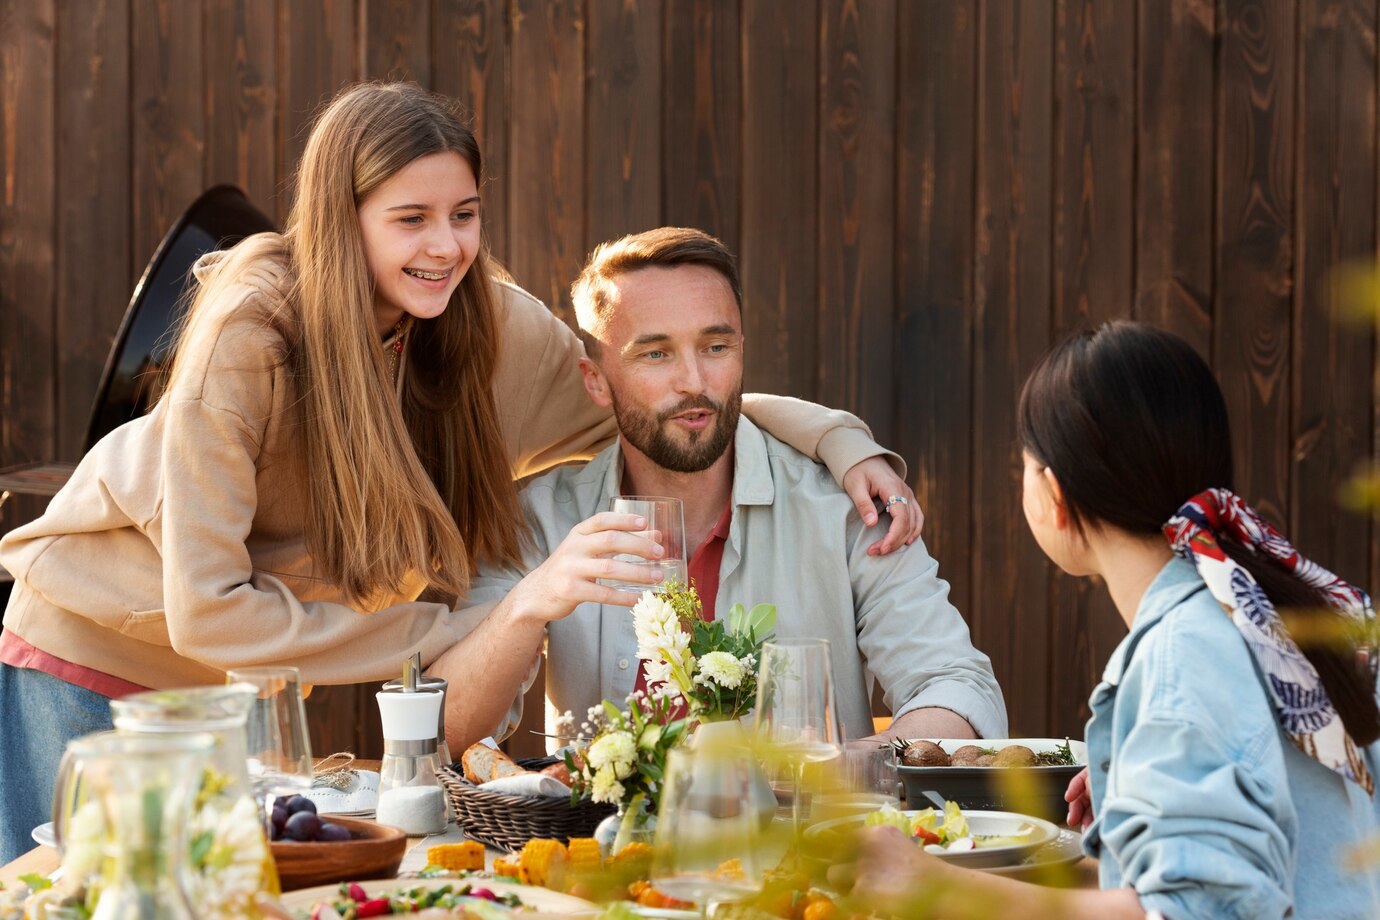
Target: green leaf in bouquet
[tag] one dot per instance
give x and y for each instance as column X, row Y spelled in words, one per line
column 737, row 619
column 761, row 621
column 612, row 711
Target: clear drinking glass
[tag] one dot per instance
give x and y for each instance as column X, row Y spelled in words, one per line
column 279, row 748
column 796, row 721
column 708, row 833
column 861, row 780
column 665, row 519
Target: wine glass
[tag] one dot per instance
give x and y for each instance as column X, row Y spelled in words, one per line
column 279, row 750
column 796, row 721
column 708, row 844
column 665, row 519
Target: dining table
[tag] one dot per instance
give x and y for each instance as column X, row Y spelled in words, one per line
column 43, row 860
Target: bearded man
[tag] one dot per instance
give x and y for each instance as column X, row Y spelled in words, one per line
column 659, row 314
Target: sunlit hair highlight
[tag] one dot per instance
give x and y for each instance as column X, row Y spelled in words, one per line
column 593, row 292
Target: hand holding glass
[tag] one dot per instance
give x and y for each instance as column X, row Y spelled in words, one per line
column 665, row 519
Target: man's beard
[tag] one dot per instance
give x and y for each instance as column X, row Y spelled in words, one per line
column 648, row 433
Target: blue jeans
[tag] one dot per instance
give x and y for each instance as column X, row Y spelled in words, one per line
column 39, row 714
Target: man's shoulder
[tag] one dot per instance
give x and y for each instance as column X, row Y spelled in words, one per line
column 566, row 495
column 790, row 466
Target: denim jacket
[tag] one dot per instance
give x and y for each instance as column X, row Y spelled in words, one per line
column 1204, row 806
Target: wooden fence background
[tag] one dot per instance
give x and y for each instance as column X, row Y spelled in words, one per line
column 924, row 195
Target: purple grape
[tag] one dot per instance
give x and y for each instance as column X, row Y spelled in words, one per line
column 332, row 833
column 280, row 816
column 302, row 826
column 299, row 803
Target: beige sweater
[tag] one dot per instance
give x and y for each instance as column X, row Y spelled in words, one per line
column 177, row 548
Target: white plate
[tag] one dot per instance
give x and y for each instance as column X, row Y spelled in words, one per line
column 540, row 899
column 980, row 824
column 43, row 835
column 661, row 913
column 1066, row 851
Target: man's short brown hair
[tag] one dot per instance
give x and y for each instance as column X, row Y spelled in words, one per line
column 665, row 246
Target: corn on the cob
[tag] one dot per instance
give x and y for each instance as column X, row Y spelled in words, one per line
column 541, row 861
column 584, row 855
column 633, row 852
column 468, row 854
column 506, row 867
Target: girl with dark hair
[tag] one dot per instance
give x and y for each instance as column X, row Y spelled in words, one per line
column 1232, row 745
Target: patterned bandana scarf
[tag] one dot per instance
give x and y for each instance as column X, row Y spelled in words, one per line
column 1298, row 696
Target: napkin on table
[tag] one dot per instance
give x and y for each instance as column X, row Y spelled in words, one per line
column 528, row 784
column 360, row 797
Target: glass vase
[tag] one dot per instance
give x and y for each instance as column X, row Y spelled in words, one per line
column 631, row 824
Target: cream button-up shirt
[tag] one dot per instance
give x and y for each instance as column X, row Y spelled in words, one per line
column 796, row 541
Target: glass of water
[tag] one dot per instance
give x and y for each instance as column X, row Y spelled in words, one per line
column 665, row 519
column 280, row 762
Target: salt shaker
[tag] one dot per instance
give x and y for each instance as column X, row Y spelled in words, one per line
column 410, row 795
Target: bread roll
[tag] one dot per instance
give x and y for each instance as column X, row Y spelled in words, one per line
column 482, row 763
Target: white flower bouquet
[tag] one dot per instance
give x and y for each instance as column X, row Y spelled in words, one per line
column 712, row 665
column 625, row 759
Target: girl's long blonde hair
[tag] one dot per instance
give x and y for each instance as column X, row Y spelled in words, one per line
column 427, row 490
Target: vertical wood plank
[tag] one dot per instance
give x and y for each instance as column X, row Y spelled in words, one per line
column 1174, row 181
column 345, row 718
column 169, row 117
column 1011, row 615
column 28, row 429
column 622, row 119
column 1255, row 247
column 936, row 124
column 242, row 98
column 469, row 62
column 780, row 191
column 1093, row 229
column 1335, row 220
column 546, row 203
column 703, row 88
column 1373, row 322
column 394, row 41
column 857, row 200
column 93, row 270
column 317, row 44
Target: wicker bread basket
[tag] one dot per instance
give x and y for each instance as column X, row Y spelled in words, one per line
column 509, row 821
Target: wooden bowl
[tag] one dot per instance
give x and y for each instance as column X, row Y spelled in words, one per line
column 375, row 851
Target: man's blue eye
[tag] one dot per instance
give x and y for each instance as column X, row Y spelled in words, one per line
column 655, row 354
